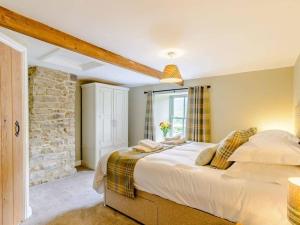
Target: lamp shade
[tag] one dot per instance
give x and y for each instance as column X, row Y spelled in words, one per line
column 171, row 74
column 293, row 208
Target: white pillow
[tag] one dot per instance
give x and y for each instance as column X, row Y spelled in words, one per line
column 206, row 155
column 274, row 135
column 268, row 173
column 271, row 147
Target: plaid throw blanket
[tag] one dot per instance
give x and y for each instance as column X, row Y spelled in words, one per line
column 120, row 168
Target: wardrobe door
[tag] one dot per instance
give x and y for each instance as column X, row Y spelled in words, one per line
column 105, row 116
column 11, row 144
column 120, row 118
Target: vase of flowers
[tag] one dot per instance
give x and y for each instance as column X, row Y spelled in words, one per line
column 165, row 127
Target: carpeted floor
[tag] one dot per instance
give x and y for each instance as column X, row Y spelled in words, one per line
column 71, row 201
column 98, row 215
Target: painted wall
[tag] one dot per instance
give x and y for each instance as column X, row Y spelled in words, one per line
column 260, row 98
column 297, row 82
column 297, row 95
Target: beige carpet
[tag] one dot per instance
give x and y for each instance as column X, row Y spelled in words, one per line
column 71, row 201
column 98, row 215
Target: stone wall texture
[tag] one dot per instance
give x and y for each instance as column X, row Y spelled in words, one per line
column 52, row 124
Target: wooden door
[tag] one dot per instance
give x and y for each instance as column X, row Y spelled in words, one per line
column 11, row 136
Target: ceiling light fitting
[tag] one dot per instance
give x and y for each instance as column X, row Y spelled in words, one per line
column 171, row 72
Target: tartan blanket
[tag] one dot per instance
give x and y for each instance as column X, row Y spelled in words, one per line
column 120, row 169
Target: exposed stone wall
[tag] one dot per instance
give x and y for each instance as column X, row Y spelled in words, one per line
column 52, row 124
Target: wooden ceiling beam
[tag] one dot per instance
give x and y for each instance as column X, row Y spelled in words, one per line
column 43, row 32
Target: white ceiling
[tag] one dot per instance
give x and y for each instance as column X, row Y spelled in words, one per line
column 50, row 56
column 217, row 37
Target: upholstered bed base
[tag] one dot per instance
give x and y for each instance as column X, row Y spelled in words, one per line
column 151, row 209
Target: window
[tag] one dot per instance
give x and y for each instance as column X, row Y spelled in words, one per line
column 177, row 114
column 170, row 107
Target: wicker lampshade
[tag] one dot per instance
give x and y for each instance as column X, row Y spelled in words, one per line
column 293, row 208
column 171, row 74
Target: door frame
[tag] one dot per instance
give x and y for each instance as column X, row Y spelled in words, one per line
column 22, row 49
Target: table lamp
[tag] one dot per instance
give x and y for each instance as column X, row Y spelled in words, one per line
column 293, row 204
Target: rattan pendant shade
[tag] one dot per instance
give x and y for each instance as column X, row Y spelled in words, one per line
column 171, row 74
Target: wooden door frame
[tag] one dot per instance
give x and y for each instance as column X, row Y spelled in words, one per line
column 20, row 48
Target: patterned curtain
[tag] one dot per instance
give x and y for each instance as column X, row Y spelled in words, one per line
column 149, row 124
column 198, row 117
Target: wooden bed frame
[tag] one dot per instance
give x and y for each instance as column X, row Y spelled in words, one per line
column 151, row 209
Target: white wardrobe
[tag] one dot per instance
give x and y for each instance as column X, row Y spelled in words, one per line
column 104, row 121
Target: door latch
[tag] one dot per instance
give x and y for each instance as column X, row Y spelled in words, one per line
column 17, row 128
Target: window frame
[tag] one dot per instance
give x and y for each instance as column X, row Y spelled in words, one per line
column 171, row 111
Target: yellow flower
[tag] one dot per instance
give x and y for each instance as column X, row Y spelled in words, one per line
column 164, row 125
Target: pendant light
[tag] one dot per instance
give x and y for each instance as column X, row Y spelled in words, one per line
column 171, row 72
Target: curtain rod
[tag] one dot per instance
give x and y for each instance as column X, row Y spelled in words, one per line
column 176, row 89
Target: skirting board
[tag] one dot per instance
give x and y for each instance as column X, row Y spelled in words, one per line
column 78, row 163
column 151, row 209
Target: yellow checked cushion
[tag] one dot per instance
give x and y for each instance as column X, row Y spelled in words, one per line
column 229, row 145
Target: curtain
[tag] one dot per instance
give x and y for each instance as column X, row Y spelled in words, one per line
column 198, row 117
column 149, row 123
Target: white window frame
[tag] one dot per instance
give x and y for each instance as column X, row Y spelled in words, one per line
column 171, row 111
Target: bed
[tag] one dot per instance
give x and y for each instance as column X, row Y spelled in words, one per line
column 171, row 189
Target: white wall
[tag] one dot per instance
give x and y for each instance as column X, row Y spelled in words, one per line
column 297, row 94
column 297, row 82
column 260, row 98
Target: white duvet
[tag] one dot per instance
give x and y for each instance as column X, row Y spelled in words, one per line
column 172, row 174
